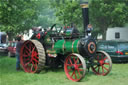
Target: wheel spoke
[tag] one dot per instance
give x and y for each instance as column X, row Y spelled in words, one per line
column 33, row 48
column 31, row 68
column 34, row 65
column 102, row 69
column 26, row 51
column 70, row 61
column 106, row 68
column 26, row 59
column 24, row 55
column 27, row 63
column 97, row 58
column 35, row 60
column 107, row 63
column 102, row 57
column 36, row 56
column 30, row 46
column 79, row 65
column 73, row 73
column 105, row 58
column 69, row 70
column 69, row 65
column 98, row 69
column 75, row 76
column 76, row 60
column 79, row 73
column 27, row 48
column 80, row 69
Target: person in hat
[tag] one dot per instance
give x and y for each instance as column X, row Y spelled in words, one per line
column 89, row 30
column 18, row 47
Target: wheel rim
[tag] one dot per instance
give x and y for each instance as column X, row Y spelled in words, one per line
column 29, row 57
column 103, row 64
column 75, row 67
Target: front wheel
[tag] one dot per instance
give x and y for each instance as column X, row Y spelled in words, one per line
column 75, row 67
column 102, row 63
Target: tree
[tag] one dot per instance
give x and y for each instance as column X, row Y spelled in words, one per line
column 68, row 11
column 19, row 15
column 46, row 15
column 108, row 13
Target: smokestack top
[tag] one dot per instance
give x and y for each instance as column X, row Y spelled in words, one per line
column 84, row 5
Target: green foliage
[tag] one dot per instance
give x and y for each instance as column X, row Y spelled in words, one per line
column 68, row 11
column 19, row 15
column 46, row 15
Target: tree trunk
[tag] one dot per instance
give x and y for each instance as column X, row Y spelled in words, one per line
column 10, row 36
column 104, row 34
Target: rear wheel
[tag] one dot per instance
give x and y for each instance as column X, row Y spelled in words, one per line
column 32, row 56
column 102, row 63
column 75, row 67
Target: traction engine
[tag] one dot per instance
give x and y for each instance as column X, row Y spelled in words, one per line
column 69, row 49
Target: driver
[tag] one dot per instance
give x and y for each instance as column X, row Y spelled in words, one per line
column 89, row 30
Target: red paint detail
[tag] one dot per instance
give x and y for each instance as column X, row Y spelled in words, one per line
column 101, row 62
column 45, row 33
column 11, row 48
column 105, row 58
column 38, row 36
column 76, row 66
column 119, row 52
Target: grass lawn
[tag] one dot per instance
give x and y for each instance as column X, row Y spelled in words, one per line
column 9, row 76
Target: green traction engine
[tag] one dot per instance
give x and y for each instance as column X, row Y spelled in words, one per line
column 66, row 48
column 54, row 49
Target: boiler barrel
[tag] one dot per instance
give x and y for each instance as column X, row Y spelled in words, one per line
column 63, row 46
column 85, row 47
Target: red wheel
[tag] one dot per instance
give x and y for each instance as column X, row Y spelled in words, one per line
column 75, row 67
column 32, row 56
column 102, row 63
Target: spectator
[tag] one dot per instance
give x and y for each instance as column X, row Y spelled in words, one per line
column 18, row 47
column 89, row 29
